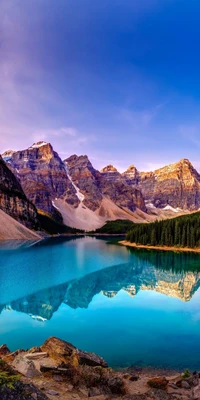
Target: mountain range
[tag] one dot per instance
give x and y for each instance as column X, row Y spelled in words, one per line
column 130, row 277
column 36, row 180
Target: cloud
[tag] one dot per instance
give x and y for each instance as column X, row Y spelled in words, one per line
column 138, row 119
column 191, row 133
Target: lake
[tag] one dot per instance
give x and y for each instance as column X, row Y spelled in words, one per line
column 131, row 306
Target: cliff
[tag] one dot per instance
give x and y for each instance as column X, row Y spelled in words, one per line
column 13, row 200
column 42, row 175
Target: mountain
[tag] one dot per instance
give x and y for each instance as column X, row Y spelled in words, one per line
column 131, row 277
column 95, row 185
column 13, row 200
column 176, row 185
column 85, row 198
column 42, row 175
column 72, row 188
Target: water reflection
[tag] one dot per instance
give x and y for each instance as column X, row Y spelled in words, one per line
column 174, row 275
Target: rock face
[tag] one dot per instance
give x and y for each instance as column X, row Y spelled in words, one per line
column 13, row 201
column 175, row 185
column 131, row 175
column 108, row 183
column 75, row 189
column 87, row 179
column 42, row 175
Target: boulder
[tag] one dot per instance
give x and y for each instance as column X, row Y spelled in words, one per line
column 4, row 350
column 66, row 353
column 25, row 367
column 158, row 383
column 91, row 359
column 22, row 391
column 185, row 384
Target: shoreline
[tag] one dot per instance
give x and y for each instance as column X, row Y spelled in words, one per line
column 162, row 248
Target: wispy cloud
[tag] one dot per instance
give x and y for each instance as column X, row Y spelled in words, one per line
column 140, row 118
column 191, row 133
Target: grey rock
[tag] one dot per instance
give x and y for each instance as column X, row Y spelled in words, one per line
column 52, row 393
column 25, row 367
column 172, row 385
column 185, row 385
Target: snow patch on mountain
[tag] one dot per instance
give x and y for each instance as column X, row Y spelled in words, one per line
column 78, row 193
column 170, row 208
column 37, row 145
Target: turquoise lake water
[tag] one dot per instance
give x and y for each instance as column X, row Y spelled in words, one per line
column 132, row 307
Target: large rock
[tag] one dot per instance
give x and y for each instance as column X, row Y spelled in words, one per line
column 22, row 391
column 66, row 353
column 158, row 383
column 4, row 350
column 25, row 366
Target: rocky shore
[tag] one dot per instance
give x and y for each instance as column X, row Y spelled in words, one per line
column 57, row 369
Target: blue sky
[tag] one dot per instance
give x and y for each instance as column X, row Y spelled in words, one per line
column 118, row 80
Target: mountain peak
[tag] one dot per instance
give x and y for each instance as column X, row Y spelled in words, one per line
column 109, row 168
column 7, row 155
column 38, row 144
column 185, row 161
column 131, row 169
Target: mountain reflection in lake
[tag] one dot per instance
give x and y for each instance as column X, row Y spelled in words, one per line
column 127, row 305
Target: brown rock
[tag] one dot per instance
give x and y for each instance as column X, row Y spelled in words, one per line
column 4, row 350
column 65, row 352
column 36, row 356
column 34, row 349
column 25, row 367
column 158, row 383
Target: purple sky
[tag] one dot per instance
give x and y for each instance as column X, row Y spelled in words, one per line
column 117, row 80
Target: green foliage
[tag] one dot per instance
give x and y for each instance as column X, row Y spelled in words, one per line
column 54, row 227
column 182, row 231
column 8, row 380
column 186, row 374
column 116, row 227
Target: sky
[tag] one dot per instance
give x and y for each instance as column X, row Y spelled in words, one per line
column 118, row 80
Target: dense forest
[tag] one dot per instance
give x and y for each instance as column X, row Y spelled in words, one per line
column 54, row 227
column 119, row 226
column 182, row 231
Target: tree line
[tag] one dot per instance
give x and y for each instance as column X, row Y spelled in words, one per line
column 182, row 231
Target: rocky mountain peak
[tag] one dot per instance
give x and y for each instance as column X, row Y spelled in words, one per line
column 80, row 161
column 38, row 144
column 131, row 169
column 7, row 155
column 42, row 175
column 180, row 170
column 109, row 168
column 86, row 179
column 131, row 175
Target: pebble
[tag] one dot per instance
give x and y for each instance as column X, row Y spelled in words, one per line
column 53, row 392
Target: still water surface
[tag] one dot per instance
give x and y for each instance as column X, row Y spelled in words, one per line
column 133, row 307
